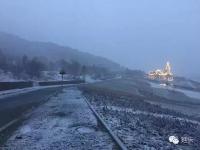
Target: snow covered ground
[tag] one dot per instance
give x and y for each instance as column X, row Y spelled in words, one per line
column 64, row 122
column 54, row 76
column 89, row 79
column 157, row 115
column 142, row 125
column 7, row 76
column 188, row 93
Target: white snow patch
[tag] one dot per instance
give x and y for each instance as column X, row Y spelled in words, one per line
column 192, row 94
column 89, row 79
column 13, row 92
column 55, row 76
column 6, row 76
column 85, row 130
column 25, row 129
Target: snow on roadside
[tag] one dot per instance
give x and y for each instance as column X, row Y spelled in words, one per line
column 54, row 76
column 64, row 122
column 7, row 93
column 191, row 94
column 7, row 76
column 89, row 79
column 188, row 93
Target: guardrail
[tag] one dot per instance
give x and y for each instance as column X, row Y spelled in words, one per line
column 60, row 82
column 15, row 85
column 25, row 84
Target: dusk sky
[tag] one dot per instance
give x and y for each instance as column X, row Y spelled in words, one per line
column 140, row 34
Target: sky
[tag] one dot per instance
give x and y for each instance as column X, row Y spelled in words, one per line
column 139, row 34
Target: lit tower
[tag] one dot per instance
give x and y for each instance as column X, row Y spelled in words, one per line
column 167, row 69
column 165, row 74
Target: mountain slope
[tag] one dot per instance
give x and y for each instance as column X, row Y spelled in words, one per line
column 14, row 45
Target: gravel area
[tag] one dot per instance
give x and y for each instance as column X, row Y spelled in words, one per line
column 141, row 125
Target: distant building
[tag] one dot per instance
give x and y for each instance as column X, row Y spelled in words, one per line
column 165, row 74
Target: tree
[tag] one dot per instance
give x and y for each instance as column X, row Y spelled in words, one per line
column 35, row 67
column 3, row 61
column 24, row 60
column 83, row 71
column 62, row 73
column 75, row 68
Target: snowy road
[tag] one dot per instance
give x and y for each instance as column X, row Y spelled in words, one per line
column 64, row 122
column 13, row 107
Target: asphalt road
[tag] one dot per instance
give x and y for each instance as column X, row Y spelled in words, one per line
column 64, row 122
column 15, row 106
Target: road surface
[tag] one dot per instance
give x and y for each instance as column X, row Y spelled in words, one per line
column 64, row 122
column 15, row 106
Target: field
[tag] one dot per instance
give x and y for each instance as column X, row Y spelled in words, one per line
column 142, row 118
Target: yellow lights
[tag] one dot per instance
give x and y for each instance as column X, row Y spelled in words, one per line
column 164, row 74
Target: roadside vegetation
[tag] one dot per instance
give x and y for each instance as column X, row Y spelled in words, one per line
column 31, row 68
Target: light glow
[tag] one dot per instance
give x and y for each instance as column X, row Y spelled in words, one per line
column 165, row 74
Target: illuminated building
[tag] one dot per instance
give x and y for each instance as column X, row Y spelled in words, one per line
column 164, row 74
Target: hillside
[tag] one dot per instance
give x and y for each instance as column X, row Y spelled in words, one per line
column 14, row 45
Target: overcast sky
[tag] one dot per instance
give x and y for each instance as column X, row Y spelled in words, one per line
column 140, row 34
